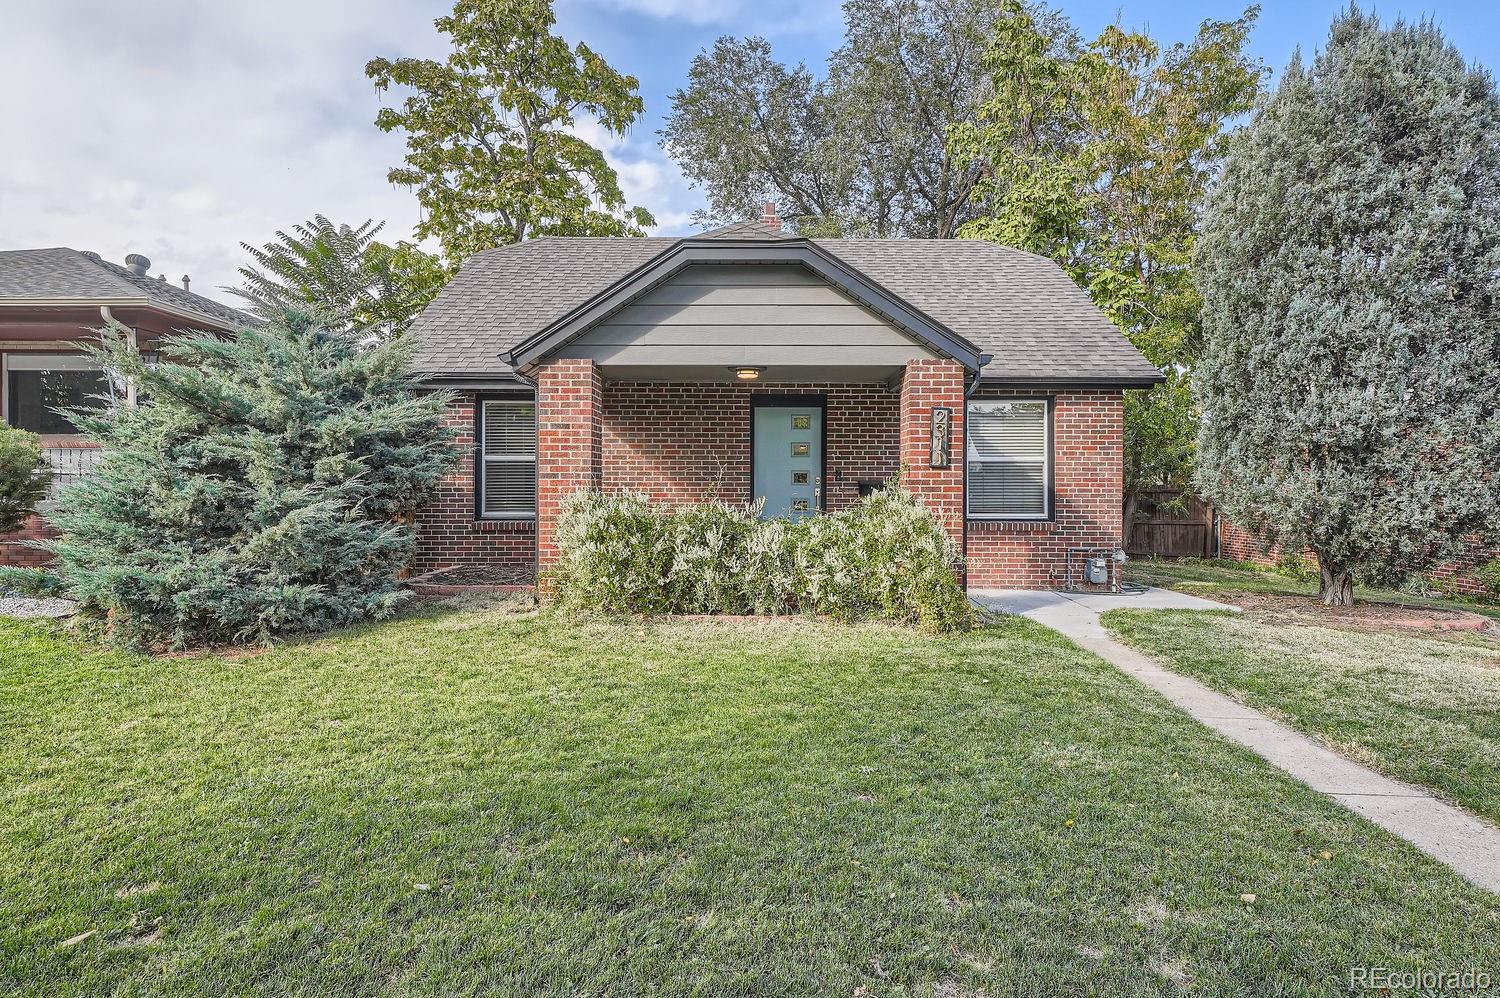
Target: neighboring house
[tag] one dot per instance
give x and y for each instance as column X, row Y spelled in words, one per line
column 746, row 363
column 54, row 301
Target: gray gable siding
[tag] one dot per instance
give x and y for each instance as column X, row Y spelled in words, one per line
column 777, row 315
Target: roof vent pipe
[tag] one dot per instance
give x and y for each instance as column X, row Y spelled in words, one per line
column 185, row 282
column 137, row 264
column 768, row 216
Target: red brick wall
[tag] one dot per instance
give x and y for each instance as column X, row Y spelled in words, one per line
column 1458, row 574
column 1088, row 485
column 1238, row 544
column 928, row 384
column 16, row 550
column 679, row 442
column 447, row 532
column 569, row 419
column 684, row 443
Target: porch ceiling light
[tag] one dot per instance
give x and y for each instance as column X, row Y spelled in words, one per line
column 748, row 373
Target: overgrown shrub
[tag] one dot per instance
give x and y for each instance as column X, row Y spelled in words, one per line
column 1298, row 567
column 24, row 476
column 31, row 582
column 883, row 558
column 1488, row 576
column 259, row 488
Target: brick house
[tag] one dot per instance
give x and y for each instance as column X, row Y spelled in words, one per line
column 747, row 363
column 52, row 302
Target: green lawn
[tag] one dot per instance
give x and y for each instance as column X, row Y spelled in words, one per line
column 470, row 803
column 1206, row 576
column 1423, row 709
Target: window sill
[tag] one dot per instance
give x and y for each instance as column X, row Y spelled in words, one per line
column 1013, row 526
column 504, row 526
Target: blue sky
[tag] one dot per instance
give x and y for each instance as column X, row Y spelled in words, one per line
column 179, row 128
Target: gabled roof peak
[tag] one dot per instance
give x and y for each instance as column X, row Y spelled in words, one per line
column 744, row 230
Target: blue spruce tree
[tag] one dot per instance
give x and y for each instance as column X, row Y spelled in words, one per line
column 257, row 490
column 1350, row 270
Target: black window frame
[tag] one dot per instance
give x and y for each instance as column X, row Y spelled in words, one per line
column 1049, row 457
column 481, row 460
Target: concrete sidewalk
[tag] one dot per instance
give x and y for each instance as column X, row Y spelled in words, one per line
column 1467, row 843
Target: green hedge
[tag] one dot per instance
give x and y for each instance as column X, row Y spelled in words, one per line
column 24, row 476
column 883, row 558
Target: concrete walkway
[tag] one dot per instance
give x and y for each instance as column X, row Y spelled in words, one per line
column 1467, row 843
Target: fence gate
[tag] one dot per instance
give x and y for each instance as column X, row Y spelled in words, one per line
column 1171, row 524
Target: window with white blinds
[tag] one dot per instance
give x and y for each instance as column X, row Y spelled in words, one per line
column 1009, row 449
column 507, row 453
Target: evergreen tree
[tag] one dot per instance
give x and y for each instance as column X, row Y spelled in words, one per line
column 258, row 489
column 1350, row 267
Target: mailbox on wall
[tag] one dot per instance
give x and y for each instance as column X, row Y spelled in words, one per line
column 940, row 447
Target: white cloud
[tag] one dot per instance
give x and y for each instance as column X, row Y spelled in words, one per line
column 657, row 182
column 178, row 129
column 692, row 11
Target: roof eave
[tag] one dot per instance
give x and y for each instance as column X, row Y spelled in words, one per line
column 1066, row 381
column 119, row 302
column 467, row 380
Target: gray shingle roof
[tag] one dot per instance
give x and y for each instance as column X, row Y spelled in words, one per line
column 1019, row 307
column 62, row 274
column 745, row 230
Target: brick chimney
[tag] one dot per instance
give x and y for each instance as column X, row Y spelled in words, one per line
column 769, row 217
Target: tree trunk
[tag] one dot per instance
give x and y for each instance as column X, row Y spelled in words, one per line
column 1336, row 584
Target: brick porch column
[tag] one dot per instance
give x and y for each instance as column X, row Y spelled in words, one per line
column 928, row 384
column 569, row 412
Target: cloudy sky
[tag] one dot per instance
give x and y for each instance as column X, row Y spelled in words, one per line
column 180, row 128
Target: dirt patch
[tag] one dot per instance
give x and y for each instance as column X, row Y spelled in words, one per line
column 1396, row 618
column 464, row 579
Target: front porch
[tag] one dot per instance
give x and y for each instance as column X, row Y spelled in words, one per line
column 691, row 441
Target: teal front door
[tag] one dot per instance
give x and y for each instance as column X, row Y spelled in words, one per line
column 786, row 462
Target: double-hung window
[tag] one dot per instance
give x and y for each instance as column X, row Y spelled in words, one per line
column 1009, row 459
column 506, row 459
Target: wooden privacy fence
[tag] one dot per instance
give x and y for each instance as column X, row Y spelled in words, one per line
column 1171, row 524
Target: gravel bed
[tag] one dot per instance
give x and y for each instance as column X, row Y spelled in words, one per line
column 35, row 606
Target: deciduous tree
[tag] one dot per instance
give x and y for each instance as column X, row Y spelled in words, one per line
column 863, row 151
column 492, row 144
column 1350, row 270
column 1099, row 156
column 341, row 274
